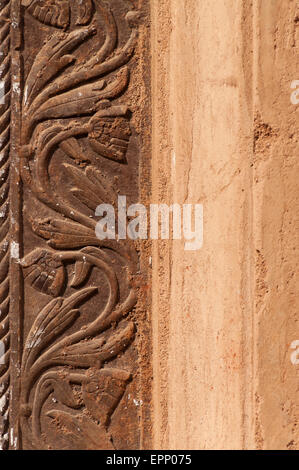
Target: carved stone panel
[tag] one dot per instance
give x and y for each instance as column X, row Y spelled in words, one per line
column 73, row 329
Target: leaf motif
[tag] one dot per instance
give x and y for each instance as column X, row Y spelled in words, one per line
column 81, row 433
column 97, row 350
column 73, row 149
column 83, row 100
column 63, row 392
column 52, row 58
column 64, row 234
column 44, row 271
column 83, row 11
column 48, row 225
column 51, row 382
column 92, row 69
column 99, row 180
column 51, row 12
column 82, row 268
column 87, row 197
column 85, row 190
column 103, row 392
column 78, row 102
column 57, row 12
column 91, row 187
column 110, row 133
column 54, row 318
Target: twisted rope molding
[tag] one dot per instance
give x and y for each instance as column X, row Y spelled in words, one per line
column 5, row 85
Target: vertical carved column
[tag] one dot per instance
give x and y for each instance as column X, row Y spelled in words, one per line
column 74, row 143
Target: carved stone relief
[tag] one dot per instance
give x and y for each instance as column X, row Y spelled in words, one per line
column 70, row 377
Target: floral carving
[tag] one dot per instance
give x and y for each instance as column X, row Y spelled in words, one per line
column 57, row 13
column 44, row 271
column 110, row 132
column 66, row 105
column 51, row 12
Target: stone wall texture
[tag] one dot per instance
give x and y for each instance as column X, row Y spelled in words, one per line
column 225, row 134
column 133, row 344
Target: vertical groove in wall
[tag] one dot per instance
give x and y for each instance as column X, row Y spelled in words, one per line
column 16, row 298
column 275, row 223
column 257, row 430
column 247, row 304
column 160, row 34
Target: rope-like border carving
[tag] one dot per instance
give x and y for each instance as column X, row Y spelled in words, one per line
column 5, row 86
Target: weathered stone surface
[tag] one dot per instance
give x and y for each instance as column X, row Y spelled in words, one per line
column 70, row 127
column 225, row 134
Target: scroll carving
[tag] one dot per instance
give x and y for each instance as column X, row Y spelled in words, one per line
column 79, row 290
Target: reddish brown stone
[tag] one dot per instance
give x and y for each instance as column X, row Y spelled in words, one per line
column 70, row 140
